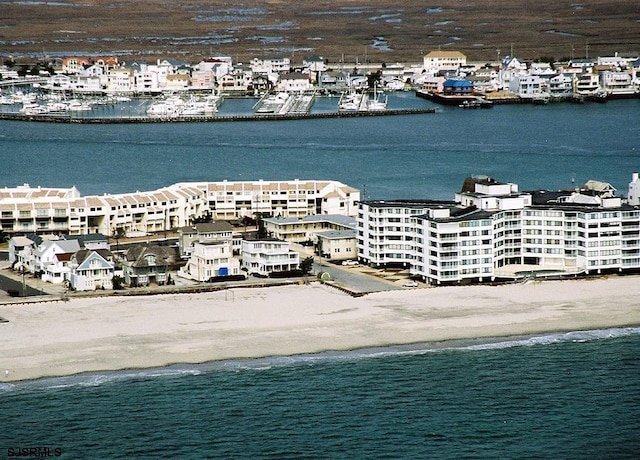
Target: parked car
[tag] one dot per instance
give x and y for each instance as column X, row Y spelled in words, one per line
column 410, row 284
column 350, row 262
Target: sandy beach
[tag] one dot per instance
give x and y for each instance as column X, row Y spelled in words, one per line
column 111, row 333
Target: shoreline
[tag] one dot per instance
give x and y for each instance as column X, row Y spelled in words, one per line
column 119, row 333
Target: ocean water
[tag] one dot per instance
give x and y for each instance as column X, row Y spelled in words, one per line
column 567, row 396
column 561, row 396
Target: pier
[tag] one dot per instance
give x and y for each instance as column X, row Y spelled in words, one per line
column 211, row 118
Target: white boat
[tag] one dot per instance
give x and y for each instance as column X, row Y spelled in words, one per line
column 170, row 107
column 377, row 102
column 76, row 105
column 350, row 102
column 32, row 108
column 200, row 106
column 57, row 107
column 279, row 103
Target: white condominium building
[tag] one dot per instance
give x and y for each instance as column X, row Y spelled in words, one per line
column 492, row 231
column 41, row 210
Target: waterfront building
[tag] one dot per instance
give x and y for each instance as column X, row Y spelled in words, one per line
column 41, row 210
column 210, row 259
column 529, row 86
column 443, row 61
column 149, row 263
column 266, row 256
column 305, row 229
column 206, row 232
column 337, row 244
column 91, row 270
column 492, row 231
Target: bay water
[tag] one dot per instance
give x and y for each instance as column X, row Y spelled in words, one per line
column 566, row 395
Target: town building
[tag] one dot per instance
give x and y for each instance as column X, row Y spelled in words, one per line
column 268, row 256
column 211, row 260
column 145, row 264
column 493, row 231
column 24, row 209
column 304, row 229
column 442, row 62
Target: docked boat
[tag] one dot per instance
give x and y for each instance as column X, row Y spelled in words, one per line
column 278, row 103
column 351, row 102
column 168, row 108
column 76, row 105
column 378, row 101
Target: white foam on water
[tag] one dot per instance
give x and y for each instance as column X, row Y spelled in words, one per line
column 275, row 362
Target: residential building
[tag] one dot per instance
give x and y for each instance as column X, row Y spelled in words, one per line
column 493, row 231
column 337, row 244
column 294, row 82
column 529, row 86
column 211, row 260
column 54, row 210
column 91, row 270
column 206, row 232
column 146, row 264
column 443, row 61
column 303, row 229
column 265, row 257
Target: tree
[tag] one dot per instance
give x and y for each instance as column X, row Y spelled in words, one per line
column 118, row 282
column 206, row 218
column 374, row 78
column 118, row 234
column 306, row 265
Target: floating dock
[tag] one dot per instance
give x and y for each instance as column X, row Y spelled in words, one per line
column 213, row 118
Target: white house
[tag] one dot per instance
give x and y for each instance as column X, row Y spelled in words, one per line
column 210, row 260
column 45, row 253
column 294, row 82
column 266, row 256
column 529, row 86
column 91, row 270
column 337, row 244
column 443, row 61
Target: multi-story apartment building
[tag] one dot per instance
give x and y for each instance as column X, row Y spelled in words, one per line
column 493, row 231
column 25, row 209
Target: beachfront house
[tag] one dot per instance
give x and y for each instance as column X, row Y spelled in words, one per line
column 45, row 252
column 91, row 270
column 205, row 232
column 305, row 229
column 146, row 264
column 337, row 244
column 210, row 260
column 268, row 256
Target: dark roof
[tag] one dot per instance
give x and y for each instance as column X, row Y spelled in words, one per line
column 82, row 254
column 137, row 254
column 407, row 203
column 214, row 227
column 86, row 238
